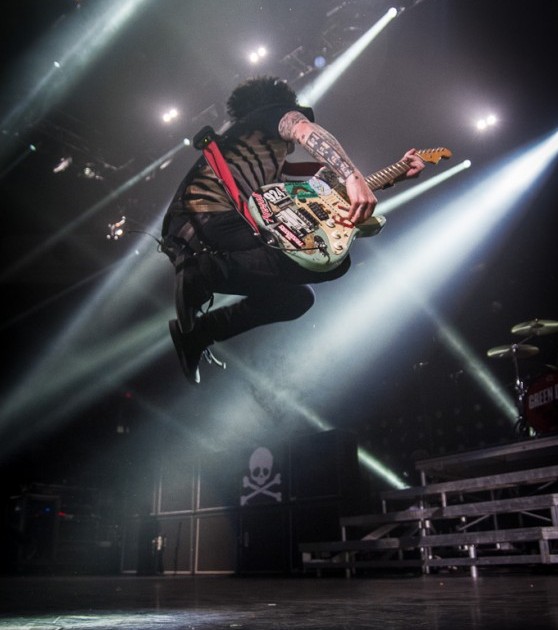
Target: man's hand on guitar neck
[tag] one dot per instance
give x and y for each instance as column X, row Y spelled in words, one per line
column 415, row 162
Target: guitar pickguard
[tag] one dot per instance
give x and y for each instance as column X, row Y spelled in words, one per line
column 304, row 219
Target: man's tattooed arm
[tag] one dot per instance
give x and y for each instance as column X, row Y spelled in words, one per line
column 324, row 147
column 321, row 145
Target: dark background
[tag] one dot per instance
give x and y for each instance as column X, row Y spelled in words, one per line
column 91, row 388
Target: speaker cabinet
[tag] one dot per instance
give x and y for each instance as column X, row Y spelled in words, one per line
column 216, row 542
column 177, row 481
column 264, row 540
column 177, row 541
column 219, row 481
column 245, row 510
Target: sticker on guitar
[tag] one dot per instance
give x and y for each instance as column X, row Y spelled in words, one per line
column 276, row 195
column 303, row 218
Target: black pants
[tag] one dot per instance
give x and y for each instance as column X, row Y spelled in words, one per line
column 274, row 287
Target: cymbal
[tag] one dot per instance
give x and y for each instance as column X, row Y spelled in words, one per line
column 536, row 327
column 519, row 350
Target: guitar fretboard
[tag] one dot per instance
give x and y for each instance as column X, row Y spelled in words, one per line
column 387, row 175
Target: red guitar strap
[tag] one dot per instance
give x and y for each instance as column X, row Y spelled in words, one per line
column 206, row 141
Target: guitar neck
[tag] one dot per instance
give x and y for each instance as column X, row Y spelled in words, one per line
column 386, row 176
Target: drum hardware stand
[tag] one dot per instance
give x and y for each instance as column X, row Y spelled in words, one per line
column 520, row 426
column 514, row 352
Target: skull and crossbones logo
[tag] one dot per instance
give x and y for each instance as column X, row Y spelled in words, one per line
column 259, row 481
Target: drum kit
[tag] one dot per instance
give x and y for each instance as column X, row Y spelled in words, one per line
column 537, row 400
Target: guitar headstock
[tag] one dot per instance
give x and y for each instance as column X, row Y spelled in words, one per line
column 434, row 155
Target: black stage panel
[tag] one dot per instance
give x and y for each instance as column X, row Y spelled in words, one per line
column 324, row 465
column 216, row 542
column 264, row 540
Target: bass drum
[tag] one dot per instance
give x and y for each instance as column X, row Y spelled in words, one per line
column 541, row 403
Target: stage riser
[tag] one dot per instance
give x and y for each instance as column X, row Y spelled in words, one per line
column 462, row 522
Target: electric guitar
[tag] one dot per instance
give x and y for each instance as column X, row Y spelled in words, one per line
column 303, row 219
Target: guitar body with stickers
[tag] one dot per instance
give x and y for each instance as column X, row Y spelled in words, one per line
column 305, row 218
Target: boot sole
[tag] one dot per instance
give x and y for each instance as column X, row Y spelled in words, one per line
column 176, row 336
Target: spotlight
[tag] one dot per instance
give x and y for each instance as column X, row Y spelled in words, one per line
column 489, row 121
column 170, row 115
column 320, row 62
column 257, row 55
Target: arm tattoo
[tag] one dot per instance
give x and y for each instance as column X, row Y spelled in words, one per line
column 321, row 145
column 325, row 148
column 288, row 123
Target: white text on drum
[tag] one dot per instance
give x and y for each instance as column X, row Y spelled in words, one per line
column 543, row 397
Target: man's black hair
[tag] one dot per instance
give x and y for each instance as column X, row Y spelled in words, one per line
column 259, row 92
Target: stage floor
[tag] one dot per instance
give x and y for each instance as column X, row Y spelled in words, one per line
column 496, row 600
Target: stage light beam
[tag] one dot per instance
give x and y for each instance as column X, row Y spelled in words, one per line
column 80, row 42
column 410, row 275
column 385, row 207
column 316, row 90
column 286, row 398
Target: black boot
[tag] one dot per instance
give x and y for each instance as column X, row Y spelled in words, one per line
column 190, row 348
